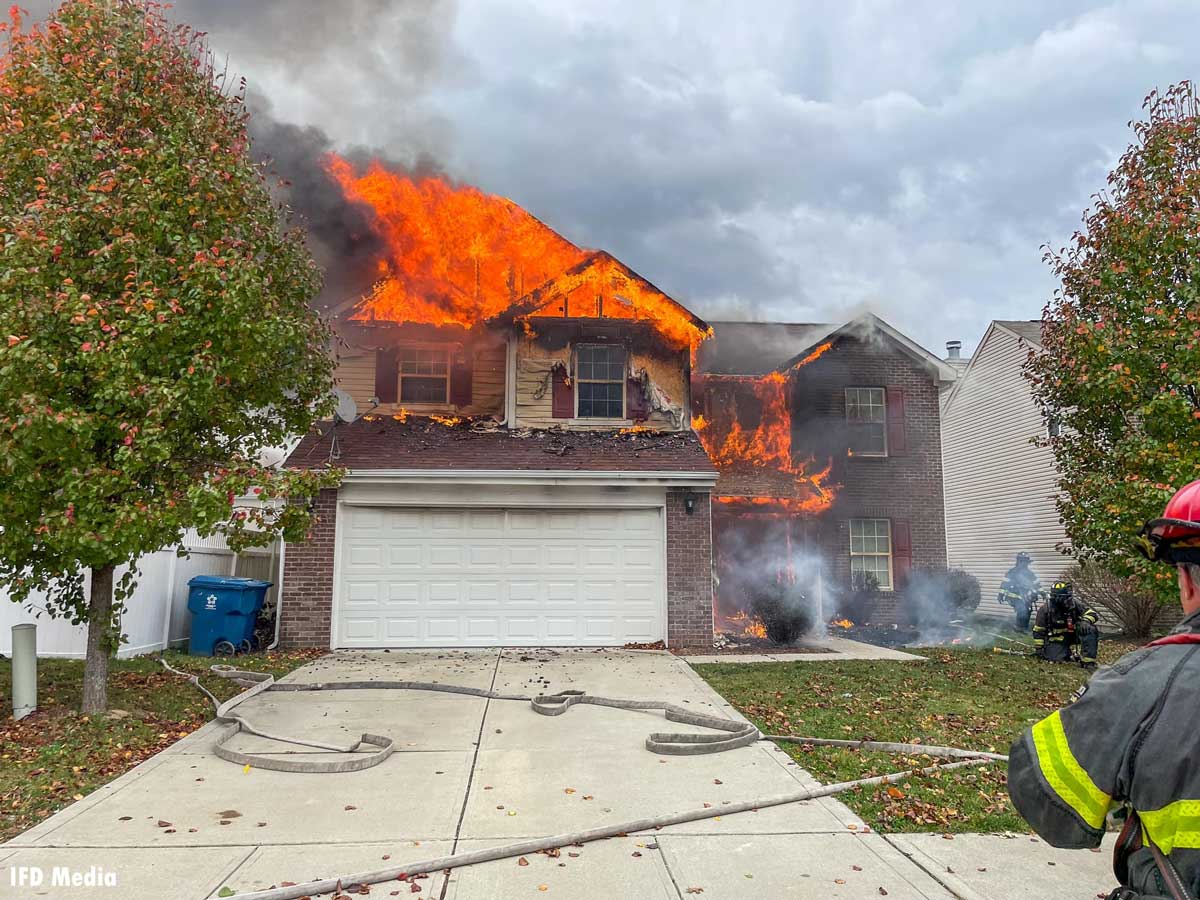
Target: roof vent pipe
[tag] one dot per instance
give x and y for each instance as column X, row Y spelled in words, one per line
column 953, row 350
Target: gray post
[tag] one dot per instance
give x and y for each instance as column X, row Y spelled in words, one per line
column 24, row 670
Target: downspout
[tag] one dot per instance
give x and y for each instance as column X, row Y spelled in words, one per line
column 510, row 383
column 279, row 593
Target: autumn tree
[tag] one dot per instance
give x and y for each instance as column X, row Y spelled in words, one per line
column 155, row 333
column 1120, row 368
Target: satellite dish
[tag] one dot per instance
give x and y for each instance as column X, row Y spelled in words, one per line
column 345, row 409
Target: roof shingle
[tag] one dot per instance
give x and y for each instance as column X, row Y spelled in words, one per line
column 381, row 443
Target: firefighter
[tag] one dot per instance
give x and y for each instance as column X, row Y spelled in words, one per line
column 1065, row 629
column 1019, row 589
column 1125, row 743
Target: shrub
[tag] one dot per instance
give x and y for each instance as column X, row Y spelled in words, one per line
column 940, row 595
column 1117, row 599
column 784, row 611
column 858, row 604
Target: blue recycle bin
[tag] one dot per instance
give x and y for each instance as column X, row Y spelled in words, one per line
column 223, row 609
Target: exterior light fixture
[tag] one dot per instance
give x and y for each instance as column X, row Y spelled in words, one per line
column 689, row 503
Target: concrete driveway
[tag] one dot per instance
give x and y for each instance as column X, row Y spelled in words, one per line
column 475, row 773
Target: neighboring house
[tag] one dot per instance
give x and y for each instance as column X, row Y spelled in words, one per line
column 855, row 481
column 528, row 478
column 1000, row 485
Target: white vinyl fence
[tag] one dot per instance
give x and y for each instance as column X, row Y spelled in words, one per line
column 156, row 615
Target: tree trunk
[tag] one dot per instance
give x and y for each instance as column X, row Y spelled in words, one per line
column 99, row 641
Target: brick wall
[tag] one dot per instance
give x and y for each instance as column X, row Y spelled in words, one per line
column 899, row 487
column 308, row 580
column 689, row 571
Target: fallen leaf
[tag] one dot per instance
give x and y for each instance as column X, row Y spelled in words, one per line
column 543, row 887
column 522, row 861
column 695, row 890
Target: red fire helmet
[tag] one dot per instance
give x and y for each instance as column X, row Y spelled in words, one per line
column 1175, row 538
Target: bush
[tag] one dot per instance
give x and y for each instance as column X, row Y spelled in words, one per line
column 1117, row 599
column 784, row 611
column 941, row 595
column 859, row 603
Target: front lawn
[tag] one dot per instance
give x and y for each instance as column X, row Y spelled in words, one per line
column 960, row 697
column 56, row 756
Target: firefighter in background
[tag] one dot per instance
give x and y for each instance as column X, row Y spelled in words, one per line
column 1127, row 742
column 1065, row 629
column 1019, row 590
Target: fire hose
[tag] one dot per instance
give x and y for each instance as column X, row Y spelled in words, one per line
column 731, row 734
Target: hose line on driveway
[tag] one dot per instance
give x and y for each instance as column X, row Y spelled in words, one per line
column 729, row 734
column 507, row 851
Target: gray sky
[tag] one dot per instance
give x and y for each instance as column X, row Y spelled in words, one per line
column 769, row 160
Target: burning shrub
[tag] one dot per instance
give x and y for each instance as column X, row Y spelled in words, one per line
column 937, row 596
column 1116, row 598
column 784, row 612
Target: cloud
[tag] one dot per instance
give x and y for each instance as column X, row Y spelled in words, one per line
column 773, row 160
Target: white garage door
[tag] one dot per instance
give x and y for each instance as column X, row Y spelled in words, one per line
column 511, row 577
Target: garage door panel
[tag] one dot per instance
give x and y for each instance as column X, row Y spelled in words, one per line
column 402, row 556
column 496, row 576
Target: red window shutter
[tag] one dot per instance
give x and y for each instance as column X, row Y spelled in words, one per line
column 897, row 441
column 636, row 405
column 901, row 552
column 462, row 378
column 387, row 375
column 562, row 398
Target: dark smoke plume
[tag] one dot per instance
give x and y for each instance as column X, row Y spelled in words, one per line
column 358, row 69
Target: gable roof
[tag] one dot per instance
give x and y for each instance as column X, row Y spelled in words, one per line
column 1028, row 330
column 871, row 323
column 753, row 348
column 633, row 294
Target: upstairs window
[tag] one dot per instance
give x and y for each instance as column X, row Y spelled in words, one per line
column 866, row 421
column 600, row 381
column 871, row 551
column 424, row 375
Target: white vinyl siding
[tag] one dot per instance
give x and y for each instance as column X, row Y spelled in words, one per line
column 999, row 486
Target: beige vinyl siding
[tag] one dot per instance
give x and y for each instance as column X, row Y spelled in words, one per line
column 356, row 375
column 535, row 391
column 999, row 486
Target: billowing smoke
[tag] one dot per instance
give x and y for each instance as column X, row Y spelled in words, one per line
column 364, row 70
column 757, row 568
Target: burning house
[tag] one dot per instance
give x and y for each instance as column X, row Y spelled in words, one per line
column 526, row 468
column 826, row 438
column 525, row 472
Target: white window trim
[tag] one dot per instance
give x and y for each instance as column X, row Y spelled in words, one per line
column 891, row 554
column 624, row 417
column 846, row 411
column 424, row 404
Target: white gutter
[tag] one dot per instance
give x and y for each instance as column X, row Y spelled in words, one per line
column 539, row 476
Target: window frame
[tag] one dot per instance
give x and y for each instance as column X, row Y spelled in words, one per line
column 579, row 380
column 882, row 423
column 874, row 554
column 445, row 349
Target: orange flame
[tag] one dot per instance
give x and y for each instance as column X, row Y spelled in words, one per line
column 769, row 445
column 842, row 623
column 742, row 622
column 458, row 256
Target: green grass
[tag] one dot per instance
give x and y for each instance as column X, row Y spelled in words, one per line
column 56, row 756
column 960, row 697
